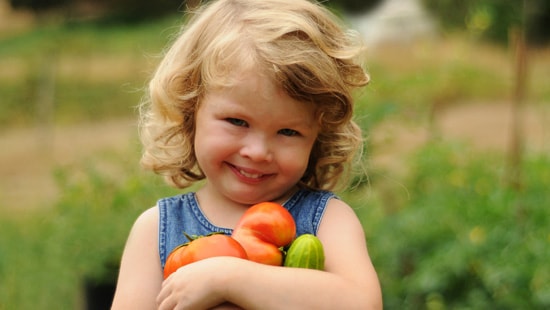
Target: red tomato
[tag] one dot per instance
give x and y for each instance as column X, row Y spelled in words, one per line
column 201, row 248
column 263, row 229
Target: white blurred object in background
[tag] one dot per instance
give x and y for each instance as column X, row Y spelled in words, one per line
column 394, row 21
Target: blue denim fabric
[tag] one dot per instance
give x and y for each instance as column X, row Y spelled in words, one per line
column 182, row 213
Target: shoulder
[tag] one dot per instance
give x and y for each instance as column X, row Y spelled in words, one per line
column 144, row 232
column 147, row 220
column 341, row 218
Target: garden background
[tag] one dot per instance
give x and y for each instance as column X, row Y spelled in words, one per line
column 455, row 206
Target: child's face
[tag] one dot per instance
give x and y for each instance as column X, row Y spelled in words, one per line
column 252, row 140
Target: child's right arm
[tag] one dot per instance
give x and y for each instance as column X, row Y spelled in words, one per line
column 140, row 276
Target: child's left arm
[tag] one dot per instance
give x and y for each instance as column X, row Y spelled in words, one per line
column 348, row 282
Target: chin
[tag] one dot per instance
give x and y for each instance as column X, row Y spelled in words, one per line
column 250, row 198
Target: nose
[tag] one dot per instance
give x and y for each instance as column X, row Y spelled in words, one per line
column 257, row 147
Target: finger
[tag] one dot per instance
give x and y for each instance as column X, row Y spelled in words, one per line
column 166, row 304
column 163, row 296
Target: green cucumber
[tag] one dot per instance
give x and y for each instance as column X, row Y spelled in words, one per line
column 306, row 251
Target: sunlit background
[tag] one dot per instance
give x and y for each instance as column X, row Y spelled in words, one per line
column 457, row 120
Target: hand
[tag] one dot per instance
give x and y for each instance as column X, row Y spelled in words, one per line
column 196, row 286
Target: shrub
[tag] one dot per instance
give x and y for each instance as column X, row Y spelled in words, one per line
column 463, row 240
column 494, row 19
column 47, row 258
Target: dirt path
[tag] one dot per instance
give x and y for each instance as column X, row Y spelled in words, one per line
column 484, row 126
column 29, row 156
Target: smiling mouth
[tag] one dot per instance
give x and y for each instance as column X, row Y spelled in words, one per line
column 248, row 174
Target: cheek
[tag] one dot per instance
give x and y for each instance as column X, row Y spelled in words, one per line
column 203, row 148
column 295, row 162
column 212, row 148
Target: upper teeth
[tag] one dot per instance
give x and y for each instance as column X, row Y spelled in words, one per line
column 250, row 175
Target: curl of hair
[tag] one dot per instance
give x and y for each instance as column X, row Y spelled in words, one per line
column 299, row 44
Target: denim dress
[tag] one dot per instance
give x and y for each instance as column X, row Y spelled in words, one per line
column 181, row 213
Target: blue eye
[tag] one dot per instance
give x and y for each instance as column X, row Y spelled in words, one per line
column 288, row 132
column 237, row 122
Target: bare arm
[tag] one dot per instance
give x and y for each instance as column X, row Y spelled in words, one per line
column 348, row 282
column 140, row 276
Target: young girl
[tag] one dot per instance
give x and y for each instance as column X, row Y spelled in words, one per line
column 254, row 99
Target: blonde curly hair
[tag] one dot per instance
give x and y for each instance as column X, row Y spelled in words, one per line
column 299, row 44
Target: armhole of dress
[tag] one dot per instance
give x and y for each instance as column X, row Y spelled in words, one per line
column 162, row 232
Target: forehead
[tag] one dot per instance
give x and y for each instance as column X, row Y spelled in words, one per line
column 251, row 85
column 254, row 92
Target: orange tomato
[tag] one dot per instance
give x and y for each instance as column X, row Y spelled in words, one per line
column 202, row 248
column 263, row 230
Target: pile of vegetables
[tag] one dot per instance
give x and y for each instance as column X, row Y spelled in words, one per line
column 266, row 234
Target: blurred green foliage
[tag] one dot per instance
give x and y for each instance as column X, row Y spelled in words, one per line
column 461, row 239
column 121, row 10
column 490, row 19
column 46, row 258
column 91, row 71
column 140, row 10
column 38, row 5
column 353, row 6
